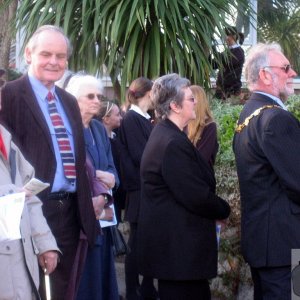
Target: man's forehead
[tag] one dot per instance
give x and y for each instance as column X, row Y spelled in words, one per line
column 51, row 39
column 276, row 56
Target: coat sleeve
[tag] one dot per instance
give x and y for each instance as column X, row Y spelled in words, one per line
column 183, row 175
column 40, row 231
column 281, row 145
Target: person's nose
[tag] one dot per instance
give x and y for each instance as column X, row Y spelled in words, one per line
column 53, row 60
column 292, row 73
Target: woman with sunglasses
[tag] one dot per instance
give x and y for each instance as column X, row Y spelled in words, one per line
column 134, row 132
column 99, row 276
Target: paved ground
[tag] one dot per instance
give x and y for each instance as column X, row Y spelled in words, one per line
column 119, row 263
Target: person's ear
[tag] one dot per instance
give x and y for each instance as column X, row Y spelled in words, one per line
column 265, row 76
column 175, row 107
column 27, row 55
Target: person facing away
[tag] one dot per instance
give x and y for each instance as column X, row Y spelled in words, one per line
column 230, row 70
column 202, row 131
column 19, row 257
column 134, row 132
column 177, row 241
column 266, row 146
column 45, row 121
column 99, row 276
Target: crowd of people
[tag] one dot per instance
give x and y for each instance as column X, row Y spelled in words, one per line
column 99, row 161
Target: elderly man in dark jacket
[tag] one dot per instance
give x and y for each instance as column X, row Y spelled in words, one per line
column 267, row 147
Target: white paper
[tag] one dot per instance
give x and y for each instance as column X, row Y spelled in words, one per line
column 34, row 186
column 109, row 223
column 11, row 208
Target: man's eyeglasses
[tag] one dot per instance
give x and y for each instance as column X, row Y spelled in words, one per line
column 92, row 96
column 285, row 68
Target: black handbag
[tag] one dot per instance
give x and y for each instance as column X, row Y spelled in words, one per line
column 119, row 244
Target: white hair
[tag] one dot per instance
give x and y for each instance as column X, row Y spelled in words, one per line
column 257, row 58
column 78, row 82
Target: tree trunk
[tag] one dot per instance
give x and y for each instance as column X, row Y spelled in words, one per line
column 6, row 31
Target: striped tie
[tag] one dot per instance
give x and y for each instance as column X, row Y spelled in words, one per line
column 63, row 141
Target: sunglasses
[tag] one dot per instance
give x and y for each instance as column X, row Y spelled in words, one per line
column 93, row 96
column 285, row 68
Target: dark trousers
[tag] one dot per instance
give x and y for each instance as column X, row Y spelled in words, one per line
column 272, row 283
column 133, row 288
column 183, row 290
column 61, row 215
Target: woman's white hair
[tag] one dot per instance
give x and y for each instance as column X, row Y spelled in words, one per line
column 79, row 82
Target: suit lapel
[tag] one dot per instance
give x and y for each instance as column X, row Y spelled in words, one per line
column 29, row 97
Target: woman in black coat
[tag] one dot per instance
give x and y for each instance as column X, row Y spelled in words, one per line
column 134, row 132
column 177, row 223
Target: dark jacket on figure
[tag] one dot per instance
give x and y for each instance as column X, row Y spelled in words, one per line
column 229, row 77
column 268, row 165
column 106, row 162
column 177, row 230
column 133, row 134
column 22, row 115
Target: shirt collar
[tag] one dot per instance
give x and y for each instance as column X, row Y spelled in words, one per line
column 40, row 90
column 139, row 111
column 276, row 99
column 234, row 46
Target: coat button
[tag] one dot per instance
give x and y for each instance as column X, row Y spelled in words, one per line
column 7, row 248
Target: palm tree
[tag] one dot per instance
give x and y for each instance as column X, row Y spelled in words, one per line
column 7, row 13
column 279, row 21
column 131, row 38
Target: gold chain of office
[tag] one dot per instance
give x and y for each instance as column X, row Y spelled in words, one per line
column 240, row 127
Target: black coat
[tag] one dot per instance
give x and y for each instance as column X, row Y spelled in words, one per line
column 267, row 155
column 229, row 76
column 177, row 230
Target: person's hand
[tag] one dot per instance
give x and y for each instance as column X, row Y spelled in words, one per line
column 107, row 178
column 107, row 214
column 98, row 204
column 48, row 261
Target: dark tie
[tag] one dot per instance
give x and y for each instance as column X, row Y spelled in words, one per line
column 63, row 141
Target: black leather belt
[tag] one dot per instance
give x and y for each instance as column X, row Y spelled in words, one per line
column 61, row 196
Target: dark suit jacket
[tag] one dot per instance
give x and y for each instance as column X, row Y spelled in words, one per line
column 176, row 229
column 23, row 117
column 267, row 155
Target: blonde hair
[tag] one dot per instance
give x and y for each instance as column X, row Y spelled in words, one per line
column 203, row 115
